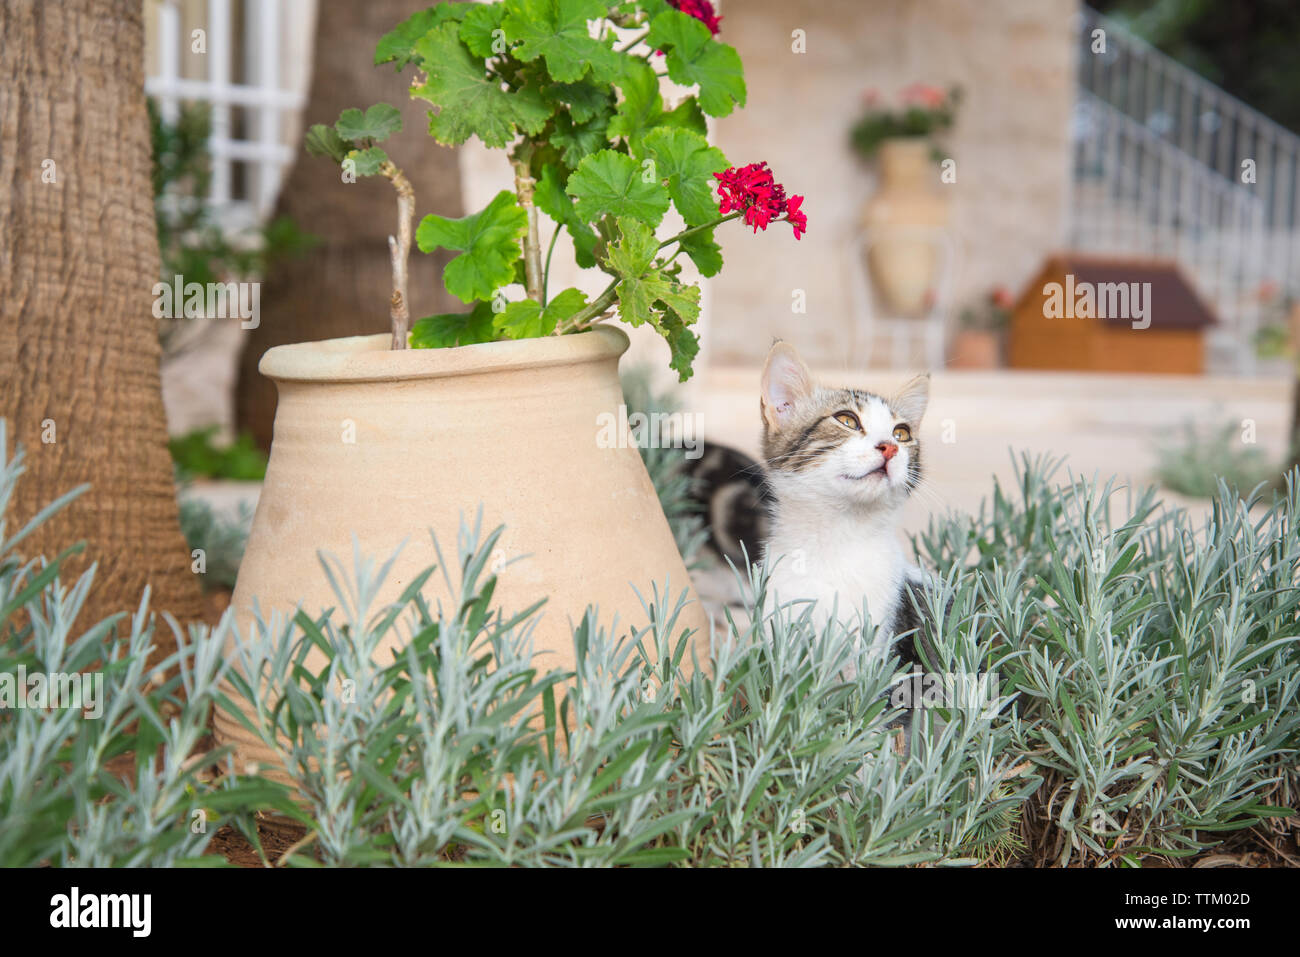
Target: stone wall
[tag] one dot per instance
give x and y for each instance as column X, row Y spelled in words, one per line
column 1014, row 60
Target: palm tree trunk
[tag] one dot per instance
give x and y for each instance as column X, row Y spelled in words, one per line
column 343, row 286
column 79, row 348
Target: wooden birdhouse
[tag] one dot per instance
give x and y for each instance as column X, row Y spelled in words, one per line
column 1095, row 314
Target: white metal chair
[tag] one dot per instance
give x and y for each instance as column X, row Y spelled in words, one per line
column 871, row 312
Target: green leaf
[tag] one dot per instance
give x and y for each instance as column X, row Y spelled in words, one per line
column 398, row 45
column 640, row 300
column 368, row 161
column 556, row 203
column 454, row 329
column 576, row 141
column 687, row 115
column 686, row 163
column 704, row 252
column 488, row 242
column 652, row 8
column 556, row 30
column 641, row 107
column 649, row 295
column 584, row 100
column 614, row 184
column 633, row 254
column 565, row 305
column 522, row 320
column 324, row 140
column 682, row 342
column 479, row 26
column 528, row 320
column 694, row 57
column 378, row 123
column 470, row 103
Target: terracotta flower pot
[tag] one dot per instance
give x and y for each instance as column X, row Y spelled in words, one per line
column 390, row 445
column 903, row 267
column 975, row 349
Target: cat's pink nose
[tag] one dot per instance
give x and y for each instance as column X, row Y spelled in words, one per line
column 887, row 449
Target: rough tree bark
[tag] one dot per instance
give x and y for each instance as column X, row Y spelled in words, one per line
column 79, row 348
column 344, row 285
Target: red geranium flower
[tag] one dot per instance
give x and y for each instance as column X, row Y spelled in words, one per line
column 931, row 97
column 753, row 190
column 797, row 218
column 701, row 10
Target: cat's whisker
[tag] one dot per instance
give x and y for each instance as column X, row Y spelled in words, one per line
column 925, row 489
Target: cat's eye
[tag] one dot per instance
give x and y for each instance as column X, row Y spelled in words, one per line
column 848, row 420
column 902, row 433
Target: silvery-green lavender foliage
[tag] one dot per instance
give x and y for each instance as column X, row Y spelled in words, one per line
column 1146, row 704
column 1147, row 677
column 1154, row 661
column 221, row 536
column 772, row 760
column 64, row 800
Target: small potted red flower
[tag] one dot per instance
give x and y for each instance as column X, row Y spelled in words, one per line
column 979, row 340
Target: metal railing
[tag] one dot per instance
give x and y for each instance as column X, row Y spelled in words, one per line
column 1167, row 164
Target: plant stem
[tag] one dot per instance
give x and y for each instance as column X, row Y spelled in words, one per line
column 524, row 185
column 633, row 42
column 546, row 272
column 399, row 250
column 699, row 229
column 584, row 317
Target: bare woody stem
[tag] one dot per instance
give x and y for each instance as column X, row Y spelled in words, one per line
column 399, row 249
column 533, row 275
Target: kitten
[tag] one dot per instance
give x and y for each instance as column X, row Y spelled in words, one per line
column 824, row 512
column 841, row 464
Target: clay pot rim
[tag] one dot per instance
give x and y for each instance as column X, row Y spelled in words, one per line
column 369, row 359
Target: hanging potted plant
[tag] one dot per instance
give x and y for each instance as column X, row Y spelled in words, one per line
column 386, row 437
column 980, row 339
column 906, row 211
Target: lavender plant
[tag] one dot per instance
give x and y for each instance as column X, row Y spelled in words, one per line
column 632, row 759
column 1155, row 662
column 1144, row 705
column 110, row 774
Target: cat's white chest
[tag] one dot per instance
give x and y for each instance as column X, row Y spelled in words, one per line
column 843, row 571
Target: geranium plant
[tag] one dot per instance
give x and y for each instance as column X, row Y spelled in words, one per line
column 571, row 89
column 920, row 111
column 990, row 313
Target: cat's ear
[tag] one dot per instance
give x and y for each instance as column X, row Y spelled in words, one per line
column 911, row 400
column 785, row 382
